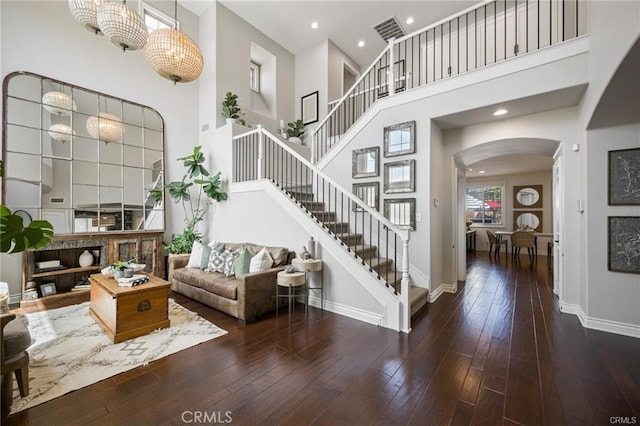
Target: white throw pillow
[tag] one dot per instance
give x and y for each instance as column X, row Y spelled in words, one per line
column 261, row 261
column 199, row 256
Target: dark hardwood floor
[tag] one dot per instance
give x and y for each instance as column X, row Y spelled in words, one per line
column 497, row 352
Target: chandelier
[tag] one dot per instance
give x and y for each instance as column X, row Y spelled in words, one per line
column 85, row 12
column 58, row 103
column 174, row 55
column 122, row 25
column 105, row 127
column 61, row 132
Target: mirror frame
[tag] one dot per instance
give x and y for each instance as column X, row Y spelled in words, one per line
column 518, row 205
column 357, row 174
column 125, row 103
column 411, row 203
column 536, row 213
column 408, row 125
column 405, row 186
column 375, row 186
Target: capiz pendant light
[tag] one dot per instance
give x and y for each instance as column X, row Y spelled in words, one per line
column 105, row 127
column 122, row 25
column 85, row 12
column 58, row 103
column 173, row 54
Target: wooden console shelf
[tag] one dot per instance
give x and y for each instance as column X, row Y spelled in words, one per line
column 144, row 247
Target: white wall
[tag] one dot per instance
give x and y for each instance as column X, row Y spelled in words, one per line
column 312, row 74
column 233, row 55
column 440, row 272
column 614, row 296
column 335, row 65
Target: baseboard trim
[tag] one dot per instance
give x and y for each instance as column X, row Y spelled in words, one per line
column 615, row 327
column 348, row 311
column 443, row 288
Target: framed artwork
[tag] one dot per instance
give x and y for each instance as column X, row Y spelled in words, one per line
column 624, row 177
column 365, row 162
column 399, row 176
column 47, row 289
column 400, row 139
column 527, row 197
column 401, row 212
column 623, row 247
column 309, row 108
column 368, row 193
column 399, row 75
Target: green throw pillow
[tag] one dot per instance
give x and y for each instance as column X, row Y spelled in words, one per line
column 241, row 265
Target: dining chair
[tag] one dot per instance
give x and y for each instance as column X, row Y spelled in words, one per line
column 520, row 239
column 497, row 242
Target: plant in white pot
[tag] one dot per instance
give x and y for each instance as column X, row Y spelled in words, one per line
column 230, row 108
column 295, row 131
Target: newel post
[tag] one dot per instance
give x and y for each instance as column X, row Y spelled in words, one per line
column 260, row 152
column 404, row 286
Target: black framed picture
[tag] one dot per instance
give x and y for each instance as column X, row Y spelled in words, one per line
column 624, row 244
column 309, row 108
column 624, row 177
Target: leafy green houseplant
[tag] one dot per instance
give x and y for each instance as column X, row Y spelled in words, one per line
column 15, row 237
column 195, row 192
column 230, row 108
column 295, row 130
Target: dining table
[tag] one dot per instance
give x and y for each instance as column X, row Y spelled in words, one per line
column 536, row 235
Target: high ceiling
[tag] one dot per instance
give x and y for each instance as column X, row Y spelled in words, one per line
column 345, row 23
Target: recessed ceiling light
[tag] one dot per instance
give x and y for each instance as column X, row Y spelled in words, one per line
column 361, row 43
column 482, row 172
column 500, row 112
column 314, row 25
column 410, row 20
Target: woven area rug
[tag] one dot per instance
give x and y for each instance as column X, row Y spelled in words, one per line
column 71, row 351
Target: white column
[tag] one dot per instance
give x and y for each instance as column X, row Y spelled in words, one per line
column 391, row 76
column 404, row 287
column 260, row 152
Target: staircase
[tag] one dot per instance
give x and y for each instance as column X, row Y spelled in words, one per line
column 368, row 255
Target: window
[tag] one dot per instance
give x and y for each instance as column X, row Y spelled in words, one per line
column 255, row 77
column 155, row 20
column 484, row 204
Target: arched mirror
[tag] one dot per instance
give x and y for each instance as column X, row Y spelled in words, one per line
column 529, row 196
column 530, row 221
column 85, row 161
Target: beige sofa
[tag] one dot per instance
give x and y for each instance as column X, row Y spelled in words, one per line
column 246, row 297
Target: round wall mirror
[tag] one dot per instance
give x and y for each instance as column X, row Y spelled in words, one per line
column 527, row 221
column 527, row 196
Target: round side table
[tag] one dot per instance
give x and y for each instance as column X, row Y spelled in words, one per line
column 306, row 266
column 297, row 284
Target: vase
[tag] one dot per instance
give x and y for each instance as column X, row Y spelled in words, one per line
column 86, row 259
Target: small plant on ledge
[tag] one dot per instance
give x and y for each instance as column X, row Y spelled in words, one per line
column 195, row 191
column 230, row 108
column 295, row 131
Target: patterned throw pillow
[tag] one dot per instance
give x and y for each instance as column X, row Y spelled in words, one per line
column 230, row 258
column 216, row 262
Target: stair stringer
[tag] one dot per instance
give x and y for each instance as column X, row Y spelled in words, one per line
column 392, row 306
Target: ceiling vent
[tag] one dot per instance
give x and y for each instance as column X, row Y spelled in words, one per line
column 389, row 28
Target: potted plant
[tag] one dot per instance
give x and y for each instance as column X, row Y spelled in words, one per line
column 15, row 237
column 195, row 192
column 295, row 131
column 122, row 269
column 230, row 108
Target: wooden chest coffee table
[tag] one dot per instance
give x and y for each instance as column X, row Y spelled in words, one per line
column 128, row 312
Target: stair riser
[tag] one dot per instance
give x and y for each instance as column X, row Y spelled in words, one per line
column 337, row 228
column 325, row 216
column 312, row 205
column 364, row 253
column 351, row 240
column 382, row 268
